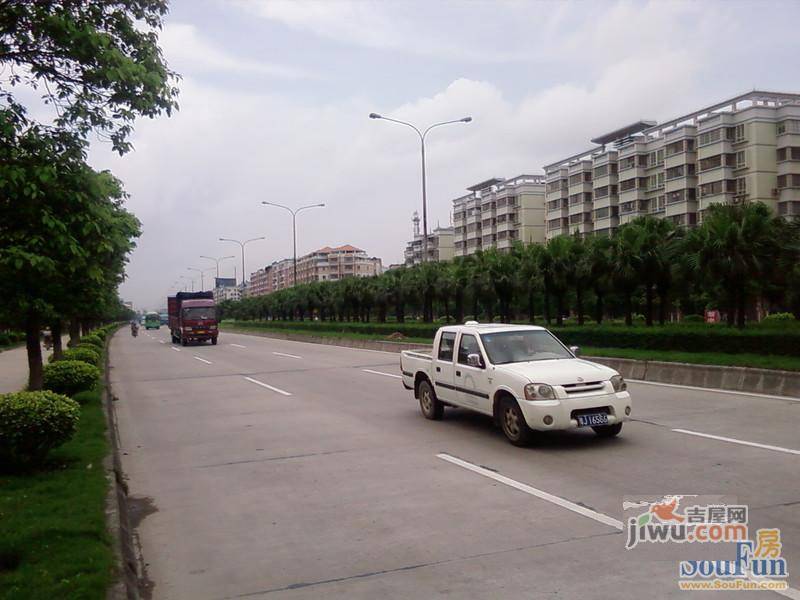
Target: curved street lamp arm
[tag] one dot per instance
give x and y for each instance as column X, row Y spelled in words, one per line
column 419, row 133
column 278, row 205
column 444, row 123
column 309, row 206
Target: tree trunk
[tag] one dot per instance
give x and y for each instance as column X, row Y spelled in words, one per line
column 74, row 332
column 560, row 309
column 741, row 310
column 34, row 348
column 648, row 316
column 547, row 307
column 446, row 310
column 663, row 298
column 475, row 307
column 460, row 307
column 55, row 330
column 579, row 304
column 598, row 312
column 628, row 309
column 531, row 305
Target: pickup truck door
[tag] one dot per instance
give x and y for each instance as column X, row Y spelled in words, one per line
column 472, row 383
column 443, row 367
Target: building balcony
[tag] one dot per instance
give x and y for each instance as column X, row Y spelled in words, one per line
column 789, row 167
column 789, row 195
column 604, row 180
column 580, row 207
column 607, row 200
column 679, row 208
column 609, row 222
column 787, row 139
column 681, row 158
column 580, row 188
column 715, row 174
column 714, row 148
column 680, row 183
column 636, row 193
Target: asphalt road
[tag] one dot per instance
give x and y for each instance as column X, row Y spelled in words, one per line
column 264, row 468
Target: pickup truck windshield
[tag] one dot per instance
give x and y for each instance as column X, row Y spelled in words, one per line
column 198, row 313
column 506, row 347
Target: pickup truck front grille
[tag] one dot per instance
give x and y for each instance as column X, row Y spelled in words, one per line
column 582, row 388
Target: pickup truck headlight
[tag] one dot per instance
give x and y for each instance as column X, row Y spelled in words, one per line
column 618, row 383
column 539, row 391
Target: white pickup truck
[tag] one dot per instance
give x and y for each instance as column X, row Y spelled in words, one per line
column 522, row 375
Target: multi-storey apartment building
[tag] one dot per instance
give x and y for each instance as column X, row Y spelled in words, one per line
column 744, row 149
column 325, row 264
column 499, row 212
column 440, row 245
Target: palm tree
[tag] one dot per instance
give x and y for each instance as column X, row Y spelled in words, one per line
column 598, row 257
column 529, row 274
column 580, row 271
column 503, row 270
column 734, row 246
column 460, row 272
column 556, row 267
column 626, row 260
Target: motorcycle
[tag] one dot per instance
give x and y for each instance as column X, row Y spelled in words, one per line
column 134, row 330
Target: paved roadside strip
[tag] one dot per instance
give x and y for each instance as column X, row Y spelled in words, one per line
column 738, row 380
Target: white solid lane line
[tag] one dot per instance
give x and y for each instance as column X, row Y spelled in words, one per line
column 576, row 508
column 286, row 355
column 174, row 348
column 269, row 387
column 382, row 373
column 735, row 441
column 161, row 342
column 208, row 362
column 238, row 345
column 715, row 390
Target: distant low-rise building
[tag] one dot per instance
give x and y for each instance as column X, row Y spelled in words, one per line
column 325, row 264
column 441, row 245
column 225, row 288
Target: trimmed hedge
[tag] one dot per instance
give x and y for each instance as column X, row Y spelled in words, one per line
column 93, row 340
column 686, row 338
column 69, row 377
column 33, row 423
column 9, row 338
column 87, row 353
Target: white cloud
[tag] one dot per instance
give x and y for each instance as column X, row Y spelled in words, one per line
column 188, row 52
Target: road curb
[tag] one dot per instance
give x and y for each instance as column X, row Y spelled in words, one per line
column 126, row 587
column 739, row 379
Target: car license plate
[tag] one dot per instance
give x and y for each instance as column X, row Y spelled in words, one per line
column 592, row 420
column 200, row 331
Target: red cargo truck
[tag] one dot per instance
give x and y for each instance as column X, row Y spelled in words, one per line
column 192, row 317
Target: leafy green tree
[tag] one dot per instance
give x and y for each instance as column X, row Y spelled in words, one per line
column 626, row 261
column 557, row 270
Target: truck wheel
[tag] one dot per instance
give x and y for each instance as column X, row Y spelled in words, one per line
column 184, row 342
column 213, row 341
column 431, row 407
column 608, row 431
column 513, row 423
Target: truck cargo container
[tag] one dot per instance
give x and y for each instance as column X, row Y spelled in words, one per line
column 192, row 317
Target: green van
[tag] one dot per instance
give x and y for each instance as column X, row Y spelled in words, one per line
column 152, row 320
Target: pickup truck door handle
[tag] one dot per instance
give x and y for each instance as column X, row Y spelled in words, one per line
column 458, row 373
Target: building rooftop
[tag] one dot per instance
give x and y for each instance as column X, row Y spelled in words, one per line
column 623, row 132
column 485, row 184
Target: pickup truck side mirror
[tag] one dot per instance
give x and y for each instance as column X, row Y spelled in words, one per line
column 474, row 360
column 576, row 350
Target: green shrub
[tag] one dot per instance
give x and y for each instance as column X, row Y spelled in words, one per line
column 93, row 340
column 5, row 339
column 87, row 353
column 70, row 376
column 693, row 319
column 779, row 319
column 33, row 423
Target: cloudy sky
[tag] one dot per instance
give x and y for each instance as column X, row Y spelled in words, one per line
column 275, row 96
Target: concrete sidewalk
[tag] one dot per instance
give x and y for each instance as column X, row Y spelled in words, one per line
column 14, row 367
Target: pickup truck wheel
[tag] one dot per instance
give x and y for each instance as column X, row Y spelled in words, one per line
column 431, row 407
column 513, row 423
column 213, row 341
column 183, row 342
column 608, row 431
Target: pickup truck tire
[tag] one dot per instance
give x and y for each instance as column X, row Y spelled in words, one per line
column 213, row 341
column 608, row 431
column 183, row 341
column 513, row 423
column 431, row 408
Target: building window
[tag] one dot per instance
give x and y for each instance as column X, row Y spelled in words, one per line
column 739, row 133
column 709, row 137
column 788, row 126
column 601, row 192
column 741, row 185
column 740, row 159
column 600, row 171
column 628, row 184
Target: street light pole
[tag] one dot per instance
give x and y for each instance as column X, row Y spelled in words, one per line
column 202, row 281
column 422, row 135
column 242, row 244
column 294, row 229
column 217, row 260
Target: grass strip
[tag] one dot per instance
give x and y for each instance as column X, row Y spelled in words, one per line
column 53, row 537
